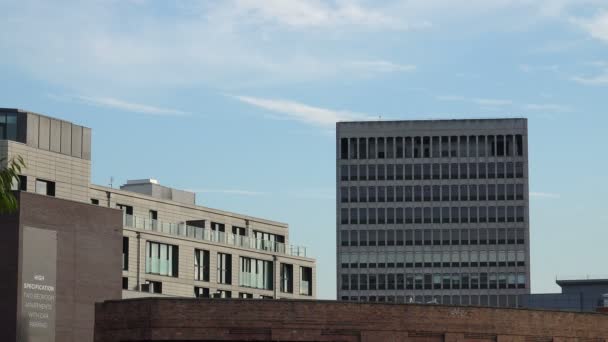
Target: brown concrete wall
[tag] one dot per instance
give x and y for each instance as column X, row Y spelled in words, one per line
column 295, row 320
column 9, row 268
column 89, row 249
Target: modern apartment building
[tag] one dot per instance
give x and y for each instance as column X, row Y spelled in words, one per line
column 433, row 211
column 170, row 245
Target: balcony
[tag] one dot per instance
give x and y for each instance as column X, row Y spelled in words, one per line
column 305, row 288
column 205, row 234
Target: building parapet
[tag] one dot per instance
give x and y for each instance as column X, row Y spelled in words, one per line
column 205, row 234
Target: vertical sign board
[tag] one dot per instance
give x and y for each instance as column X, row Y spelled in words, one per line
column 39, row 276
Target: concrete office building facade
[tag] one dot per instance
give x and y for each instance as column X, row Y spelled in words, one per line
column 170, row 246
column 433, row 211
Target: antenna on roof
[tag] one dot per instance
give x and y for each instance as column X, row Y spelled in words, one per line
column 111, row 181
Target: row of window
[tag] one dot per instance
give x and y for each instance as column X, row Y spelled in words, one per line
column 420, row 215
column 153, row 286
column 42, row 187
column 428, row 281
column 433, row 237
column 445, row 171
column 8, row 126
column 473, row 258
column 475, row 300
column 432, row 147
column 432, row 193
column 163, row 259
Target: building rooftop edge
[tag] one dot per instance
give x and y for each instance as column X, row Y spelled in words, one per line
column 25, row 111
column 333, row 301
column 192, row 206
column 431, row 120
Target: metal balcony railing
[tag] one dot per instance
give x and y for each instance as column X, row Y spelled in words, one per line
column 206, row 234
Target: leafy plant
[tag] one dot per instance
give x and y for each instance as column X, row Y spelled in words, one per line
column 9, row 175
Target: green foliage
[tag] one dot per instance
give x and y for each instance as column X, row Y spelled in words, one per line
column 9, row 172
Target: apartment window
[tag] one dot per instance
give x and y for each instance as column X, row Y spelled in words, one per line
column 305, row 281
column 353, row 172
column 362, row 149
column 371, row 144
column 152, row 286
column 94, row 201
column 21, row 183
column 256, row 273
column 44, row 187
column 399, row 147
column 127, row 212
column 362, row 172
column 453, row 146
column 201, row 292
column 224, row 268
column 8, row 126
column 381, row 148
column 161, row 259
column 372, row 172
column 417, row 147
column 125, row 253
column 435, row 147
column 125, row 283
column 201, row 265
column 222, row 294
column 408, row 150
column 353, row 148
column 390, row 148
column 246, row 295
column 344, row 148
column 344, row 172
column 445, row 147
column 286, row 278
column 520, row 144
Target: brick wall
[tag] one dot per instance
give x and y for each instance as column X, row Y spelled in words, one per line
column 296, row 320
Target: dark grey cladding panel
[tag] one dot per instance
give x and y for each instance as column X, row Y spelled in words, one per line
column 86, row 143
column 55, row 144
column 44, row 133
column 33, row 121
column 66, row 138
column 76, row 141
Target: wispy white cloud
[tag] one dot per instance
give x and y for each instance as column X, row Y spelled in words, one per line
column 538, row 68
column 478, row 101
column 596, row 26
column 380, row 66
column 599, row 79
column 544, row 195
column 546, row 107
column 306, row 14
column 228, row 192
column 302, row 112
column 122, row 105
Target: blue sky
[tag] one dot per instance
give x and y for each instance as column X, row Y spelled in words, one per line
column 237, row 99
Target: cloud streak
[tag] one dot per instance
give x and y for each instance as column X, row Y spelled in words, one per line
column 303, row 113
column 122, row 105
column 229, row 192
column 544, row 195
column 477, row 101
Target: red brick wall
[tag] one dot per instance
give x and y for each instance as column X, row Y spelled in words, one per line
column 267, row 320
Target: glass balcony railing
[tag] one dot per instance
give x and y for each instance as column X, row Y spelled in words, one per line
column 206, row 234
column 304, row 287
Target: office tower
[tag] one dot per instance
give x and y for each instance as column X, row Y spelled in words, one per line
column 433, row 211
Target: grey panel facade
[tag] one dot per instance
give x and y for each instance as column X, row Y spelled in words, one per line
column 55, row 144
column 66, row 138
column 44, row 133
column 76, row 141
column 433, row 211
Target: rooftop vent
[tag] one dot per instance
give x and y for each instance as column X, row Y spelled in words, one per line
column 152, row 187
column 142, row 181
